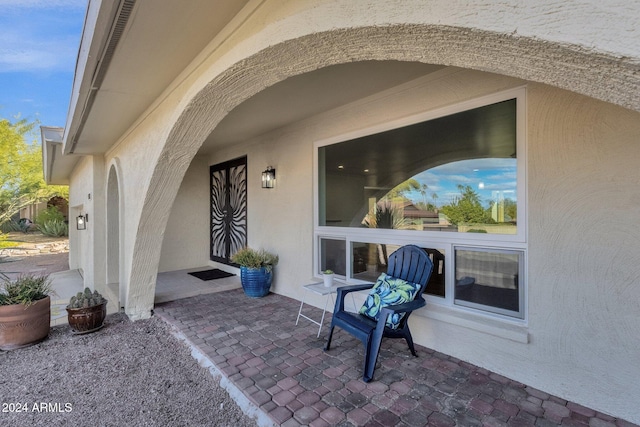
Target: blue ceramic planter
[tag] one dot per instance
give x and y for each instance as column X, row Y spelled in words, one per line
column 256, row 282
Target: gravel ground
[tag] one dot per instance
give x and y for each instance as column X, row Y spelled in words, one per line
column 126, row 374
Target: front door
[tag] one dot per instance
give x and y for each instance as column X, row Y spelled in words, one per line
column 228, row 209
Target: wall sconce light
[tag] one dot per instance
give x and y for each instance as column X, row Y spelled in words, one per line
column 81, row 221
column 269, row 178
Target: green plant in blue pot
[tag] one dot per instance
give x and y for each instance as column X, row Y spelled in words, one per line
column 256, row 270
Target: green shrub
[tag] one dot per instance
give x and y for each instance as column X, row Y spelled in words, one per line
column 52, row 213
column 54, row 228
column 10, row 226
column 26, row 289
column 252, row 258
column 3, row 241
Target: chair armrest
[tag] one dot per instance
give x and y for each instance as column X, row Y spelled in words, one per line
column 402, row 308
column 342, row 292
column 398, row 308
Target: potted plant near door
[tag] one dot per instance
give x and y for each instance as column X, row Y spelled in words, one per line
column 256, row 270
column 86, row 312
column 25, row 310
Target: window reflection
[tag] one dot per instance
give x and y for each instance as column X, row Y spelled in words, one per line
column 454, row 173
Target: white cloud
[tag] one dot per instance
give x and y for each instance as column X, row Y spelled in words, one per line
column 35, row 55
column 39, row 35
column 41, row 4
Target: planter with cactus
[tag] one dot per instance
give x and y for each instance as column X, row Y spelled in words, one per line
column 86, row 312
column 25, row 310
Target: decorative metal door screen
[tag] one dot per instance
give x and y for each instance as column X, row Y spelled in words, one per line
column 228, row 209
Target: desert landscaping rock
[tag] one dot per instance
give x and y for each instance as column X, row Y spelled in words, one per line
column 127, row 374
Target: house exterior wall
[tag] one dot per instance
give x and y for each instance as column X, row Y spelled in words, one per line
column 579, row 340
column 186, row 237
column 584, row 261
column 275, row 41
column 86, row 196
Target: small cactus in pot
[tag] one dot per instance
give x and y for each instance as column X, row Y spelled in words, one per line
column 86, row 299
column 86, row 311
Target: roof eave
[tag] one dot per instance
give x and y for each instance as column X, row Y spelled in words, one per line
column 57, row 167
column 96, row 33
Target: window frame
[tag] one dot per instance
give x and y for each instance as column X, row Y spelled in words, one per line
column 447, row 240
column 521, row 281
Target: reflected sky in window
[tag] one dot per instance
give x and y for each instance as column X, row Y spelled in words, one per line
column 492, row 179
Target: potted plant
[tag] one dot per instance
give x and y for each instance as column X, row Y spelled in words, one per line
column 256, row 270
column 86, row 312
column 25, row 310
column 327, row 276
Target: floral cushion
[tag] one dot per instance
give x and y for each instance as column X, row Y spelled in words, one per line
column 388, row 291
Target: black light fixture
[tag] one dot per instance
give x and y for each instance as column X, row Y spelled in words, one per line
column 269, row 178
column 81, row 222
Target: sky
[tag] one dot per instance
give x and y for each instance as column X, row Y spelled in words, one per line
column 39, row 41
column 492, row 178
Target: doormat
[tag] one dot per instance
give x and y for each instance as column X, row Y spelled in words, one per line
column 211, row 274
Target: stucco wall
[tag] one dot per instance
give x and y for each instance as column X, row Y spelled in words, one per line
column 278, row 40
column 186, row 238
column 583, row 262
column 80, row 241
column 86, row 197
column 584, row 258
column 580, row 165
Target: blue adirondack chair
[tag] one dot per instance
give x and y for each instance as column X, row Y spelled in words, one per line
column 409, row 263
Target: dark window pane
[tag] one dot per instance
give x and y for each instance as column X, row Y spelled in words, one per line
column 490, row 279
column 370, row 260
column 332, row 256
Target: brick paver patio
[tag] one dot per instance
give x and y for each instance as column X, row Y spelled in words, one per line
column 282, row 369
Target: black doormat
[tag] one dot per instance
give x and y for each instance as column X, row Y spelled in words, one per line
column 211, row 274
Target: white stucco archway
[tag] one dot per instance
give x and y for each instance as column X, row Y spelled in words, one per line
column 562, row 66
column 114, row 240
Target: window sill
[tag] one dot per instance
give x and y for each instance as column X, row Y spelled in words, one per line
column 475, row 322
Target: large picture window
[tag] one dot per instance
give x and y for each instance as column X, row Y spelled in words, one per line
column 456, row 173
column 451, row 183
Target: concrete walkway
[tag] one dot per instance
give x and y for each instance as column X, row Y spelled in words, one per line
column 280, row 372
column 65, row 284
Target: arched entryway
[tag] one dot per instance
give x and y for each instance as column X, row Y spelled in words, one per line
column 502, row 54
column 113, row 237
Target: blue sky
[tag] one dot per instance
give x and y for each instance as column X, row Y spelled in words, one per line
column 492, row 179
column 39, row 41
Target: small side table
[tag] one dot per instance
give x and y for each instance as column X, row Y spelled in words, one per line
column 319, row 288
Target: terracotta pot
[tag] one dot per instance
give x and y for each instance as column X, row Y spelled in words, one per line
column 86, row 320
column 22, row 326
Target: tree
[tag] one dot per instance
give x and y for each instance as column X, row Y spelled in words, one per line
column 398, row 192
column 510, row 209
column 21, row 178
column 466, row 209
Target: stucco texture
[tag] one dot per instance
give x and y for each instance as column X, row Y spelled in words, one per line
column 262, row 53
column 582, row 168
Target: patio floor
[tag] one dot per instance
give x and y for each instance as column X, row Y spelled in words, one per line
column 279, row 372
